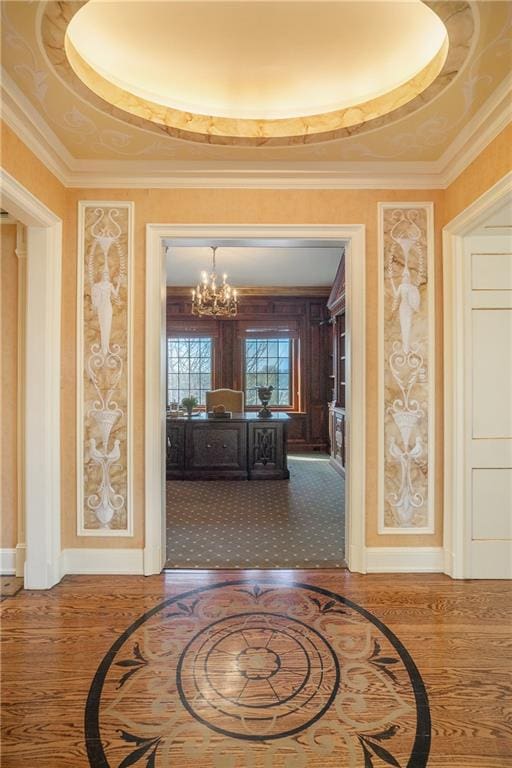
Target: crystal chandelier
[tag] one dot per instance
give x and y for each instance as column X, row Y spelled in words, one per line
column 211, row 299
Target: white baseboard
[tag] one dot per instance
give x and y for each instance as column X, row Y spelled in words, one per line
column 8, row 561
column 339, row 469
column 102, row 561
column 405, row 560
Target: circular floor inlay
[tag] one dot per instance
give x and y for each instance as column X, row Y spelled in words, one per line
column 257, row 674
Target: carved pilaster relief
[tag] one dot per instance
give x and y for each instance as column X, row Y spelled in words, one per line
column 264, row 446
column 104, row 368
column 406, row 378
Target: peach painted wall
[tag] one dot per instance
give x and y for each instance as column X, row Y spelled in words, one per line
column 489, row 167
column 241, row 206
column 9, row 386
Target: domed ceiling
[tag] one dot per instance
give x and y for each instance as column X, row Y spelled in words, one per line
column 298, row 86
column 245, row 73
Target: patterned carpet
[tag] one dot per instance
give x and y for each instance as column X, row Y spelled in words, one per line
column 298, row 523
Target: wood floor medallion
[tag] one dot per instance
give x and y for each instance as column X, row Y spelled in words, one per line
column 257, row 674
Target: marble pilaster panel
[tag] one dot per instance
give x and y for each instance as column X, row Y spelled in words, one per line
column 104, row 368
column 406, row 368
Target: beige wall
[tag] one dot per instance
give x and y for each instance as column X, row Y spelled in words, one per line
column 243, row 207
column 9, row 385
column 488, row 168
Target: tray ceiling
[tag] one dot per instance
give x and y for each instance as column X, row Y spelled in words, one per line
column 76, row 125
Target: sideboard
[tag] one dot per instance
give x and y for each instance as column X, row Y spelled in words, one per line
column 244, row 447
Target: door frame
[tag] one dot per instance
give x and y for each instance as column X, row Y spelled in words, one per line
column 455, row 285
column 42, row 459
column 353, row 236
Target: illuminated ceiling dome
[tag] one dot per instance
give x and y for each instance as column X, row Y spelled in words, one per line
column 257, row 70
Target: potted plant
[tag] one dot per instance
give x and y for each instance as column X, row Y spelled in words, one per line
column 189, row 403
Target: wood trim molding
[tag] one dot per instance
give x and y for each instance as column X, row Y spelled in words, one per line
column 336, row 300
column 287, row 291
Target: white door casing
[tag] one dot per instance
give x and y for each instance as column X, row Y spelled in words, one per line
column 42, row 389
column 478, row 391
column 354, row 238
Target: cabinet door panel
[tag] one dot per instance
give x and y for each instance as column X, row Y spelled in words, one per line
column 221, row 446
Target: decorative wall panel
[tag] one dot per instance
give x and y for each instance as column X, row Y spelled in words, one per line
column 406, row 370
column 104, row 368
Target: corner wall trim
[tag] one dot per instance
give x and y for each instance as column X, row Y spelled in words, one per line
column 405, row 560
column 105, row 561
column 8, row 561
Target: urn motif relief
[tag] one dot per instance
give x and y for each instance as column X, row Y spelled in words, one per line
column 103, row 340
column 406, row 360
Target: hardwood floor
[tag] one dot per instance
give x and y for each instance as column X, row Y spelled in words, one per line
column 259, row 674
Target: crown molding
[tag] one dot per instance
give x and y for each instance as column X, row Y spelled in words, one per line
column 478, row 133
column 28, row 124
column 244, row 291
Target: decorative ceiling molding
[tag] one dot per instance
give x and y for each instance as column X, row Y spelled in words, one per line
column 28, row 124
column 108, row 97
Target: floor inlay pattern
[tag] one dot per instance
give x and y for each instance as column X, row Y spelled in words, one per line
column 296, row 523
column 247, row 674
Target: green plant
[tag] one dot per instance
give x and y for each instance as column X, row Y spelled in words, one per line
column 189, row 403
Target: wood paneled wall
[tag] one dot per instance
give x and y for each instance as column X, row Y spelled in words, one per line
column 309, row 425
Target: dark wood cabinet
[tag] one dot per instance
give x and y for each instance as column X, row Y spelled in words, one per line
column 338, row 437
column 244, row 447
column 338, row 376
column 216, row 450
column 268, row 450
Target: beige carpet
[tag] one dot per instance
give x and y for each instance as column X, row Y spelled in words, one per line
column 299, row 523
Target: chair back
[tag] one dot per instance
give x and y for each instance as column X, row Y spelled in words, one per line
column 231, row 399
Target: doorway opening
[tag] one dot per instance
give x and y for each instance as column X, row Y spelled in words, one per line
column 286, row 333
column 282, row 336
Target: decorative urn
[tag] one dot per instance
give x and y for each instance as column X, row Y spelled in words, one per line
column 264, row 394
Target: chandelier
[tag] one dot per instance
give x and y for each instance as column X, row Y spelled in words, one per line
column 211, row 299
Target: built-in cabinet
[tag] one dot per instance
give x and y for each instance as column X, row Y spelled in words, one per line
column 338, row 374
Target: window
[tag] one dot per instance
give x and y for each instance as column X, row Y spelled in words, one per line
column 189, row 368
column 269, row 362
